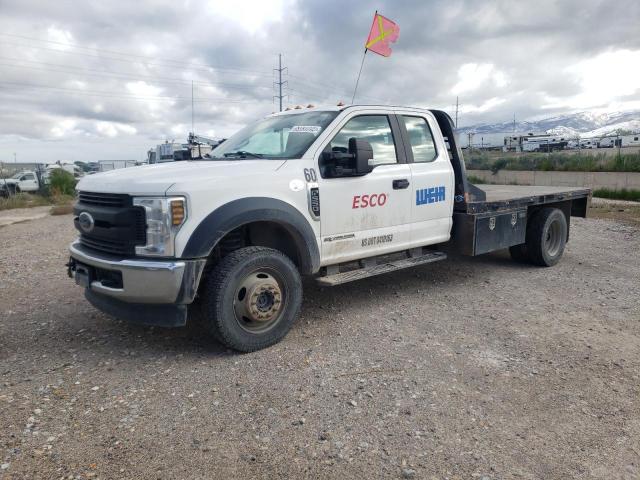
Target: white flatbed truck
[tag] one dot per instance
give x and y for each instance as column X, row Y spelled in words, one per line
column 338, row 193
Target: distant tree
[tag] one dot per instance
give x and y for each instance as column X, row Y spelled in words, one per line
column 62, row 182
column 84, row 166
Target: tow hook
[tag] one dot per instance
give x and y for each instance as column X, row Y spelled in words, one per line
column 71, row 267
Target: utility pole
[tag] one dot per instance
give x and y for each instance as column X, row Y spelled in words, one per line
column 514, row 123
column 457, row 105
column 192, row 128
column 280, row 83
column 618, row 143
column 14, row 158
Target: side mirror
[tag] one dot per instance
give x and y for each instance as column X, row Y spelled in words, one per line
column 343, row 162
column 362, row 153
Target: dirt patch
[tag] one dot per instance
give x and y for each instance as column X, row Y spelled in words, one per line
column 61, row 209
column 468, row 368
column 622, row 211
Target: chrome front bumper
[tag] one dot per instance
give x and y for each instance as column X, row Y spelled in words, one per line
column 143, row 281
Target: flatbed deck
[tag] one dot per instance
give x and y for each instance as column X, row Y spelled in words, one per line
column 505, row 197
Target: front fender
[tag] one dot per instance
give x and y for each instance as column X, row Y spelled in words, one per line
column 255, row 209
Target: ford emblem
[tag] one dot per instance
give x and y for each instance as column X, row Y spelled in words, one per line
column 86, row 222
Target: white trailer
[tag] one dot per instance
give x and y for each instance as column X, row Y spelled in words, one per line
column 534, row 143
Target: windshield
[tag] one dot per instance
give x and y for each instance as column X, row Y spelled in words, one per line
column 286, row 136
column 18, row 175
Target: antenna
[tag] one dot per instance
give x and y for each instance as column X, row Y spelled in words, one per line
column 457, row 106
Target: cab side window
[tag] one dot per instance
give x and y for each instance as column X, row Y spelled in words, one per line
column 376, row 130
column 421, row 139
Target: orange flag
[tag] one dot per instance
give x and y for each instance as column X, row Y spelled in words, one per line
column 383, row 32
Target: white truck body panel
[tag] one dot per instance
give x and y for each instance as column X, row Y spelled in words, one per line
column 361, row 216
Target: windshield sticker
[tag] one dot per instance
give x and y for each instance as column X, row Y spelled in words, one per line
column 306, row 129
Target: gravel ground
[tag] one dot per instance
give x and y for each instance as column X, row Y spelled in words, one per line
column 469, row 368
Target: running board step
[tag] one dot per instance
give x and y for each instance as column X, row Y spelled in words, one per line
column 378, row 269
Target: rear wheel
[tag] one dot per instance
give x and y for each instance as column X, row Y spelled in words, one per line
column 251, row 298
column 546, row 237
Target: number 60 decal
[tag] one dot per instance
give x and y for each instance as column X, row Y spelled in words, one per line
column 310, row 175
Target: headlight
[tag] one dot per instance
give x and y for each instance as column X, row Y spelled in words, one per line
column 164, row 217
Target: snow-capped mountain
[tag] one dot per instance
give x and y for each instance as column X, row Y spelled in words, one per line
column 584, row 124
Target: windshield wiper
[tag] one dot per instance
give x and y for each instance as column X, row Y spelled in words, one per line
column 243, row 154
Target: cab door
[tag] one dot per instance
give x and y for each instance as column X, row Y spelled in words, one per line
column 433, row 178
column 28, row 182
column 370, row 214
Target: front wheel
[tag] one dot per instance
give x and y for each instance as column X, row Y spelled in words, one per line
column 250, row 300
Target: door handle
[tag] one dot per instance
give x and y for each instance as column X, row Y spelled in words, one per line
column 400, row 184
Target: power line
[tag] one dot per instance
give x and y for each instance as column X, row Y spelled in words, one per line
column 160, row 79
column 107, row 94
column 60, row 68
column 329, row 88
column 103, row 73
column 112, row 52
column 233, row 71
column 164, row 62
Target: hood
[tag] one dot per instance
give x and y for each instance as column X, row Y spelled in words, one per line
column 9, row 181
column 156, row 179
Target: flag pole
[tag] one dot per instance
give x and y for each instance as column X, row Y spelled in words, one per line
column 359, row 73
column 364, row 55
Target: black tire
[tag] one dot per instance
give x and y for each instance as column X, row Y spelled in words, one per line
column 546, row 237
column 267, row 276
column 519, row 253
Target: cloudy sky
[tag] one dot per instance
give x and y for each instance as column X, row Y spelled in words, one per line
column 91, row 80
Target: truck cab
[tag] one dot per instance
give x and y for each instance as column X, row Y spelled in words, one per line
column 25, row 181
column 338, row 193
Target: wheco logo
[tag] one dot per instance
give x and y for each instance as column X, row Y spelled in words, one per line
column 430, row 195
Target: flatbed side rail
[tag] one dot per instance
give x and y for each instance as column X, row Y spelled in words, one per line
column 501, row 205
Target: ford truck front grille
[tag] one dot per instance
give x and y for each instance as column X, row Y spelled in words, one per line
column 117, row 227
column 104, row 199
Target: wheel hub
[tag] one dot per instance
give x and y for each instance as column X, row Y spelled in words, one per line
column 553, row 239
column 259, row 299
